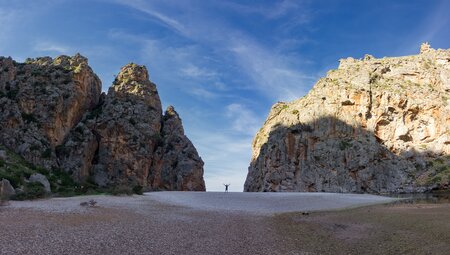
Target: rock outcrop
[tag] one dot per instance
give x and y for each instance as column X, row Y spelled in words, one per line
column 54, row 115
column 372, row 125
column 41, row 101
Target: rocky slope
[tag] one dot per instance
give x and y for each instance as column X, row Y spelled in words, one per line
column 372, row 125
column 54, row 115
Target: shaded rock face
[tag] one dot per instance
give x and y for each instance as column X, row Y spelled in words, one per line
column 114, row 139
column 177, row 165
column 372, row 125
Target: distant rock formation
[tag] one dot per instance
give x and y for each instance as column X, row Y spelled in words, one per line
column 372, row 125
column 54, row 115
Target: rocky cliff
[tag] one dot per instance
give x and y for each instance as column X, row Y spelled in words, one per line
column 54, row 115
column 372, row 125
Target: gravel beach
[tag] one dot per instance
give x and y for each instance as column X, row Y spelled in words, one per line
column 172, row 223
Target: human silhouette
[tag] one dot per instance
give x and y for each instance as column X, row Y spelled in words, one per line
column 226, row 187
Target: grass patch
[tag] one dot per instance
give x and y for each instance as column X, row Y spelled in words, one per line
column 31, row 190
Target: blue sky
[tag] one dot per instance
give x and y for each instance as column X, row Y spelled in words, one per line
column 222, row 64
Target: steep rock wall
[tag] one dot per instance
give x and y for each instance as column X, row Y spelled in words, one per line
column 372, row 125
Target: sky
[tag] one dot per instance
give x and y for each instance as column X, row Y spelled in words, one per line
column 222, row 64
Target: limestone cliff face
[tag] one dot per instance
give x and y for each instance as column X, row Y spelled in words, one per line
column 54, row 115
column 372, row 125
column 41, row 100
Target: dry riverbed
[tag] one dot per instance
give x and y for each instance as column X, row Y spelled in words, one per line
column 218, row 223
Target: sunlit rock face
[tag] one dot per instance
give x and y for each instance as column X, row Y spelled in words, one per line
column 372, row 125
column 54, row 115
column 41, row 101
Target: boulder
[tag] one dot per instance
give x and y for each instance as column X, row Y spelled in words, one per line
column 6, row 190
column 40, row 178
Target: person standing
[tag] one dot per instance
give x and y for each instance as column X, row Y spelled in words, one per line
column 226, row 187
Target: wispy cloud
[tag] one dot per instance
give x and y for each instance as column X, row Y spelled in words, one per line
column 243, row 119
column 45, row 47
column 270, row 71
column 193, row 71
column 273, row 73
column 147, row 8
column 190, row 71
column 274, row 10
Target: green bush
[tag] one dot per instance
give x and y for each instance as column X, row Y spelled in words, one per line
column 47, row 153
column 31, row 190
column 138, row 189
column 121, row 190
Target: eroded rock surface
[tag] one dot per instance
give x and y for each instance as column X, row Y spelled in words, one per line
column 54, row 115
column 40, row 102
column 372, row 125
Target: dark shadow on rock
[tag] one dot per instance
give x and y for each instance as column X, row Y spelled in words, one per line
column 329, row 155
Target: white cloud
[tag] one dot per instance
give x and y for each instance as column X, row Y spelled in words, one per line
column 243, row 119
column 270, row 71
column 51, row 47
column 193, row 71
column 276, row 10
column 273, row 73
column 202, row 93
column 145, row 7
column 187, row 66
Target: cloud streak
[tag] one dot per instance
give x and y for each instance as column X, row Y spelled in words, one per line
column 273, row 73
column 145, row 7
column 45, row 47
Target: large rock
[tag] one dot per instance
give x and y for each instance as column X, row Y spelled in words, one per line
column 372, row 125
column 54, row 115
column 40, row 178
column 178, row 166
column 6, row 190
column 125, row 141
column 41, row 100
